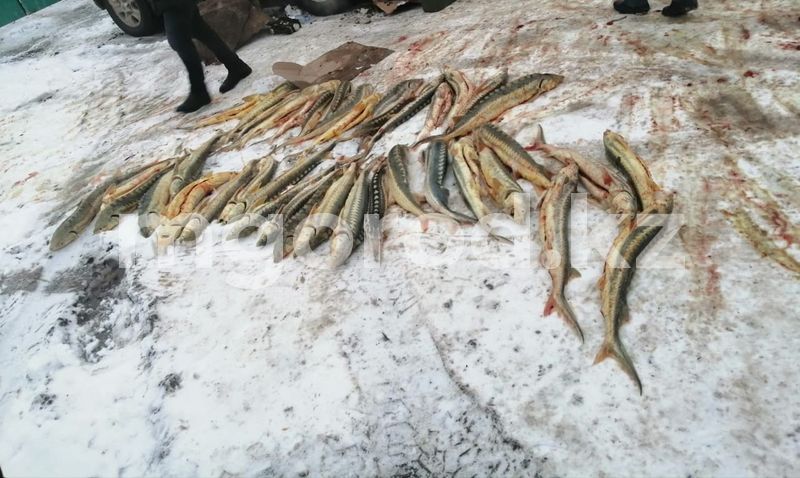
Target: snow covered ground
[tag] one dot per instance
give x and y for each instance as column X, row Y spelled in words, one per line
column 218, row 362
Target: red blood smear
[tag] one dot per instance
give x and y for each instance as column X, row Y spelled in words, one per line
column 402, row 39
column 750, row 74
column 745, row 33
column 722, row 80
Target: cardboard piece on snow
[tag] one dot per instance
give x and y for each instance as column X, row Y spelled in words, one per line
column 344, row 62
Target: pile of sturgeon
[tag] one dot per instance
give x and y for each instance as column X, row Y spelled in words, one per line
column 309, row 197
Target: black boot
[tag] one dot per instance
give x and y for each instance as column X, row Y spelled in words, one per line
column 678, row 8
column 435, row 5
column 235, row 75
column 631, row 6
column 196, row 100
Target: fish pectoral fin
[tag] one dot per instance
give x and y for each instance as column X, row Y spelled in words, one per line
column 573, row 273
column 539, row 137
column 424, row 222
column 539, row 201
column 601, row 282
column 550, row 305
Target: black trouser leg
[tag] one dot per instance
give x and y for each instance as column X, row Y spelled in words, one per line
column 178, row 26
column 209, row 38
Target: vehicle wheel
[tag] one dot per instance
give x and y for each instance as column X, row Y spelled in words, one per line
column 134, row 17
column 322, row 8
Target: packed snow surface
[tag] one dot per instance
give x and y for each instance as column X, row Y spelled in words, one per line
column 435, row 360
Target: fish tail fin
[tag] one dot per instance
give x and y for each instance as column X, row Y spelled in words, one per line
column 564, row 310
column 503, row 239
column 613, row 348
column 428, row 140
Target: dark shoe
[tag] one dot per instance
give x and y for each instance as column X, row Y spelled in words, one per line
column 679, row 8
column 435, row 5
column 628, row 7
column 282, row 25
column 234, row 77
column 194, row 102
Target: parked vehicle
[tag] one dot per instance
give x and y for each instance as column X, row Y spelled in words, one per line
column 137, row 18
column 134, row 17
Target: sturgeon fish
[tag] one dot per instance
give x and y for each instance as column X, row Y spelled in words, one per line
column 197, row 223
column 618, row 272
column 620, row 153
column 108, row 218
column 502, row 187
column 153, row 204
column 74, row 224
column 498, row 102
column 315, row 230
column 436, row 160
column 188, row 169
column 554, row 233
column 513, row 155
column 349, row 227
column 399, row 188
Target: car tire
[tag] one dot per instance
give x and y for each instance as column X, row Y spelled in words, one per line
column 134, row 17
column 323, row 8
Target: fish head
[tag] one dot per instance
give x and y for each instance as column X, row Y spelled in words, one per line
column 107, row 222
column 457, row 149
column 341, row 247
column 624, row 203
column 62, row 240
column 614, row 145
column 549, row 81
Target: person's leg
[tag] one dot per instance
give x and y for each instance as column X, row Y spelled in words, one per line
column 679, row 8
column 178, row 26
column 237, row 69
column 631, row 6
